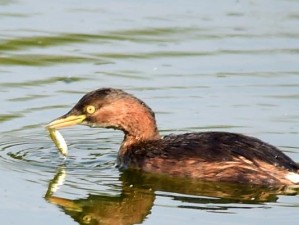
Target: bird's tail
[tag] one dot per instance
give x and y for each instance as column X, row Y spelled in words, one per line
column 293, row 177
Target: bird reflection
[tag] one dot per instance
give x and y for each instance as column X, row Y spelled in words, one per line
column 139, row 190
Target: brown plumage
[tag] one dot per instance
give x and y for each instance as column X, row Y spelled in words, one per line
column 214, row 156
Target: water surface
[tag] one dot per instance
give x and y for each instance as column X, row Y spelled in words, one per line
column 222, row 65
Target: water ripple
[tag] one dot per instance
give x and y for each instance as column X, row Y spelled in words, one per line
column 35, row 153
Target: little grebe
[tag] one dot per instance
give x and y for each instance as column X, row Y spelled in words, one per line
column 212, row 156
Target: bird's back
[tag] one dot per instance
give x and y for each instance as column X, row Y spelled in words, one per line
column 211, row 156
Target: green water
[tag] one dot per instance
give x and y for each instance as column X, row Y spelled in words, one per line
column 200, row 65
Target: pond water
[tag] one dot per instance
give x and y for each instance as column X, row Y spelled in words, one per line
column 223, row 65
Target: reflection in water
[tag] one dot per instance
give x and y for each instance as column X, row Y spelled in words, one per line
column 140, row 189
column 130, row 207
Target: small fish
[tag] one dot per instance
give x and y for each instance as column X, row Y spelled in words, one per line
column 59, row 141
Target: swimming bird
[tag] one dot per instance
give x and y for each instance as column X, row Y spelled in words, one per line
column 212, row 156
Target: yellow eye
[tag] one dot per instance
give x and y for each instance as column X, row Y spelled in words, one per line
column 90, row 109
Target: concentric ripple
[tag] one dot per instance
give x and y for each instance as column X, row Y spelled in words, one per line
column 33, row 155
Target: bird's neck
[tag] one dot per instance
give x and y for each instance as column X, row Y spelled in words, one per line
column 136, row 120
column 133, row 117
column 141, row 127
column 139, row 131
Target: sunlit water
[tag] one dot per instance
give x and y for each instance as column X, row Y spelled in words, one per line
column 200, row 65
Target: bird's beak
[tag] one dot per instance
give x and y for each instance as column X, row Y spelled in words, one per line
column 66, row 121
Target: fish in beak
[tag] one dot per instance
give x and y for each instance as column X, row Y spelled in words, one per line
column 63, row 121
